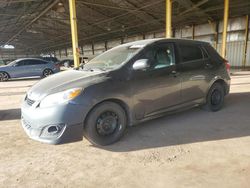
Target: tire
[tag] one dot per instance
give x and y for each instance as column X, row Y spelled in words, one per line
column 47, row 72
column 4, row 76
column 105, row 124
column 215, row 98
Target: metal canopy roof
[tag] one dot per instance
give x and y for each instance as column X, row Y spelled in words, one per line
column 43, row 25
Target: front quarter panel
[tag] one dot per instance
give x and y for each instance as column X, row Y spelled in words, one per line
column 109, row 88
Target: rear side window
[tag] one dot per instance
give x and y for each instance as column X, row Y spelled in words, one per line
column 51, row 59
column 37, row 62
column 215, row 57
column 190, row 52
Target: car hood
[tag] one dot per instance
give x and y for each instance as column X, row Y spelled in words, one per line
column 63, row 81
column 3, row 67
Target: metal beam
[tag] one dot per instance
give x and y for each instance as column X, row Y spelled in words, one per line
column 20, row 1
column 109, row 20
column 193, row 31
column 145, row 12
column 98, row 35
column 32, row 21
column 73, row 21
column 168, row 18
column 98, row 12
column 224, row 34
column 232, row 5
column 193, row 6
column 246, row 41
column 110, row 6
column 216, row 36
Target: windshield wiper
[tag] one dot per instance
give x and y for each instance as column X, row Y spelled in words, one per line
column 95, row 68
column 81, row 66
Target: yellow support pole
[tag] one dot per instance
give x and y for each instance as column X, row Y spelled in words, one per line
column 73, row 23
column 168, row 18
column 224, row 34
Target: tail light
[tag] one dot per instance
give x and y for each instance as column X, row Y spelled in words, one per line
column 57, row 66
column 227, row 65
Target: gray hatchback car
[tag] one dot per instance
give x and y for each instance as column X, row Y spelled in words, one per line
column 124, row 86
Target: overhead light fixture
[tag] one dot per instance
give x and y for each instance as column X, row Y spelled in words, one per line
column 60, row 8
column 7, row 46
column 32, row 31
column 123, row 28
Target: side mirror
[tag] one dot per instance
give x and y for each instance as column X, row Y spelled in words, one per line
column 141, row 64
column 66, row 64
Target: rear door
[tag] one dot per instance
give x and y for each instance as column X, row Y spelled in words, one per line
column 192, row 68
column 37, row 66
column 158, row 87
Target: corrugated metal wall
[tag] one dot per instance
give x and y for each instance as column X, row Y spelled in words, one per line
column 234, row 53
column 248, row 54
column 204, row 32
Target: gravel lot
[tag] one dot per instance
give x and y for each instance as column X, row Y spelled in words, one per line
column 194, row 148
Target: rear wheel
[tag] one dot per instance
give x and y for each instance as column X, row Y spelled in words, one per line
column 4, row 76
column 215, row 98
column 105, row 124
column 47, row 72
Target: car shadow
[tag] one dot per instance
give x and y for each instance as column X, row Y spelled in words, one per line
column 190, row 126
column 10, row 114
column 16, row 87
column 12, row 93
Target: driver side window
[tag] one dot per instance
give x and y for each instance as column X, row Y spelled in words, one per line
column 163, row 56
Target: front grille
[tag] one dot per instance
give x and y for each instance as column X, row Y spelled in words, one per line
column 29, row 101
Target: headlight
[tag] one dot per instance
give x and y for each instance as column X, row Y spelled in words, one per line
column 61, row 97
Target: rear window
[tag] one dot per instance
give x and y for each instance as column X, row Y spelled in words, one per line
column 214, row 55
column 190, row 52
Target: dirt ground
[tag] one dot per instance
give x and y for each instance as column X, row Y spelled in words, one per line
column 194, row 148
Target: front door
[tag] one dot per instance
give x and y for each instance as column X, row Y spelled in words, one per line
column 18, row 69
column 158, row 87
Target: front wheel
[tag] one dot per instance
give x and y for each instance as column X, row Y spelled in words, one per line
column 105, row 124
column 47, row 72
column 4, row 76
column 215, row 98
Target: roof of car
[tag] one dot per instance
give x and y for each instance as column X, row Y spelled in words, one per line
column 31, row 59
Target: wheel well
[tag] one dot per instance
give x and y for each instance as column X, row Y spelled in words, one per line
column 223, row 83
column 117, row 101
column 5, row 72
column 48, row 69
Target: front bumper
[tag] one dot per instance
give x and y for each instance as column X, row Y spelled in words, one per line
column 65, row 121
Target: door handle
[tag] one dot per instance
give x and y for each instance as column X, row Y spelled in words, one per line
column 174, row 73
column 208, row 66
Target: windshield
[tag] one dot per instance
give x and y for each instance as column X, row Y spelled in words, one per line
column 113, row 58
